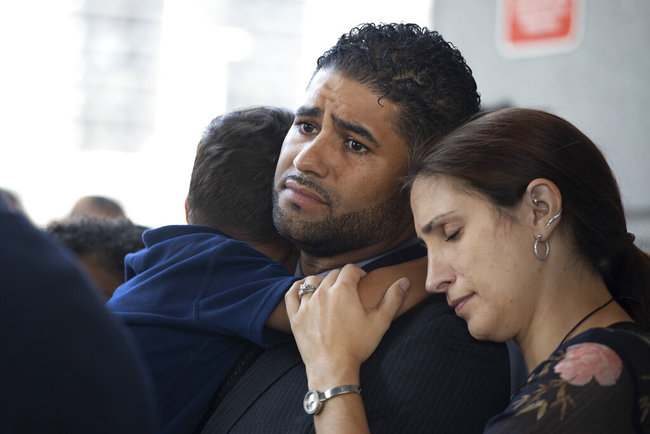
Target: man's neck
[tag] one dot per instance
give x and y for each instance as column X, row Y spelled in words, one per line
column 312, row 265
column 281, row 251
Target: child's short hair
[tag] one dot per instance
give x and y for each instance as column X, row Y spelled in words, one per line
column 234, row 168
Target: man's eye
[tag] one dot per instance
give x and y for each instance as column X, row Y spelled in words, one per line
column 453, row 236
column 356, row 146
column 306, row 128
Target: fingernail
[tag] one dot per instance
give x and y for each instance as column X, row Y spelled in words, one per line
column 405, row 284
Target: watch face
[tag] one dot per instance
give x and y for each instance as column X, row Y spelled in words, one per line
column 311, row 402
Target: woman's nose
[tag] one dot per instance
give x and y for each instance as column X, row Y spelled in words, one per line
column 439, row 275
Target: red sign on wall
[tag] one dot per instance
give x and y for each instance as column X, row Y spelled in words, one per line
column 534, row 27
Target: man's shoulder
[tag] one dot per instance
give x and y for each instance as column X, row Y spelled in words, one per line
column 431, row 331
column 426, row 353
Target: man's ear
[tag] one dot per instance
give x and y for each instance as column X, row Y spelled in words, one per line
column 545, row 201
column 187, row 212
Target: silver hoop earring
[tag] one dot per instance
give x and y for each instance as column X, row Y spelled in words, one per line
column 536, row 246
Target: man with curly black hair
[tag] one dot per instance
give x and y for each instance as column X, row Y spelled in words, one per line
column 376, row 100
column 424, row 76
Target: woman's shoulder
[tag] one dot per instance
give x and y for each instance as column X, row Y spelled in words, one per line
column 600, row 355
column 600, row 373
column 630, row 341
column 620, row 329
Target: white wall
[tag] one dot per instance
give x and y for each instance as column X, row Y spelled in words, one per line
column 602, row 86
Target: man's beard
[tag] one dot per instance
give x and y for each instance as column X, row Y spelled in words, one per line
column 348, row 232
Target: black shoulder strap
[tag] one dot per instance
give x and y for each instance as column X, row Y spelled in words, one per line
column 404, row 254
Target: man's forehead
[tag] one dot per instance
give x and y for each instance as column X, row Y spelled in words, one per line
column 333, row 86
column 350, row 104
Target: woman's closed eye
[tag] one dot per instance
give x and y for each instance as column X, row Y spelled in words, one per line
column 453, row 236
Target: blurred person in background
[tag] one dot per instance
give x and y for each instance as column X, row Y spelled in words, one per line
column 101, row 245
column 67, row 365
column 12, row 201
column 97, row 206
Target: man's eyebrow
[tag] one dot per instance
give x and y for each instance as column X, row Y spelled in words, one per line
column 312, row 112
column 429, row 226
column 355, row 128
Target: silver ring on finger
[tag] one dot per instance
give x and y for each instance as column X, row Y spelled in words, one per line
column 306, row 288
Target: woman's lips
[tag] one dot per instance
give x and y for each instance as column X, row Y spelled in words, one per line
column 459, row 303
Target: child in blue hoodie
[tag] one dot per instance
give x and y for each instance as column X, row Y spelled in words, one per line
column 197, row 294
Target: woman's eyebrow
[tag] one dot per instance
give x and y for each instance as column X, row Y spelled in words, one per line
column 431, row 223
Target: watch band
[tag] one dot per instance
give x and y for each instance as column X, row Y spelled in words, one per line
column 313, row 401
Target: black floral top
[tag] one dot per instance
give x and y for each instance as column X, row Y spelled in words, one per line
column 597, row 382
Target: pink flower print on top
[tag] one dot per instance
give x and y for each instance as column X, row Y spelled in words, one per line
column 587, row 360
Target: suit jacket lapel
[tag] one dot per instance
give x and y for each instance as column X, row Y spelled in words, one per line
column 267, row 369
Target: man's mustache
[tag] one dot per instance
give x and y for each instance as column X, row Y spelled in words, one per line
column 305, row 182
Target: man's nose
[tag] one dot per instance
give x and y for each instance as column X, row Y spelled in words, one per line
column 315, row 156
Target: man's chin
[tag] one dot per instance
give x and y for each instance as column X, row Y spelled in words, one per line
column 289, row 229
column 326, row 235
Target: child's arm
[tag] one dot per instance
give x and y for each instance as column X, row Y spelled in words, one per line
column 372, row 288
column 279, row 320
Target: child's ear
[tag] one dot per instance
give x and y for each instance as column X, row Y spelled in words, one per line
column 187, row 212
column 545, row 201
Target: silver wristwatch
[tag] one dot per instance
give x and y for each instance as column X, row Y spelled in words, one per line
column 312, row 403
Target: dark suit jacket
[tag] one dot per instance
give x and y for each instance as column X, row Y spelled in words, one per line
column 428, row 375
